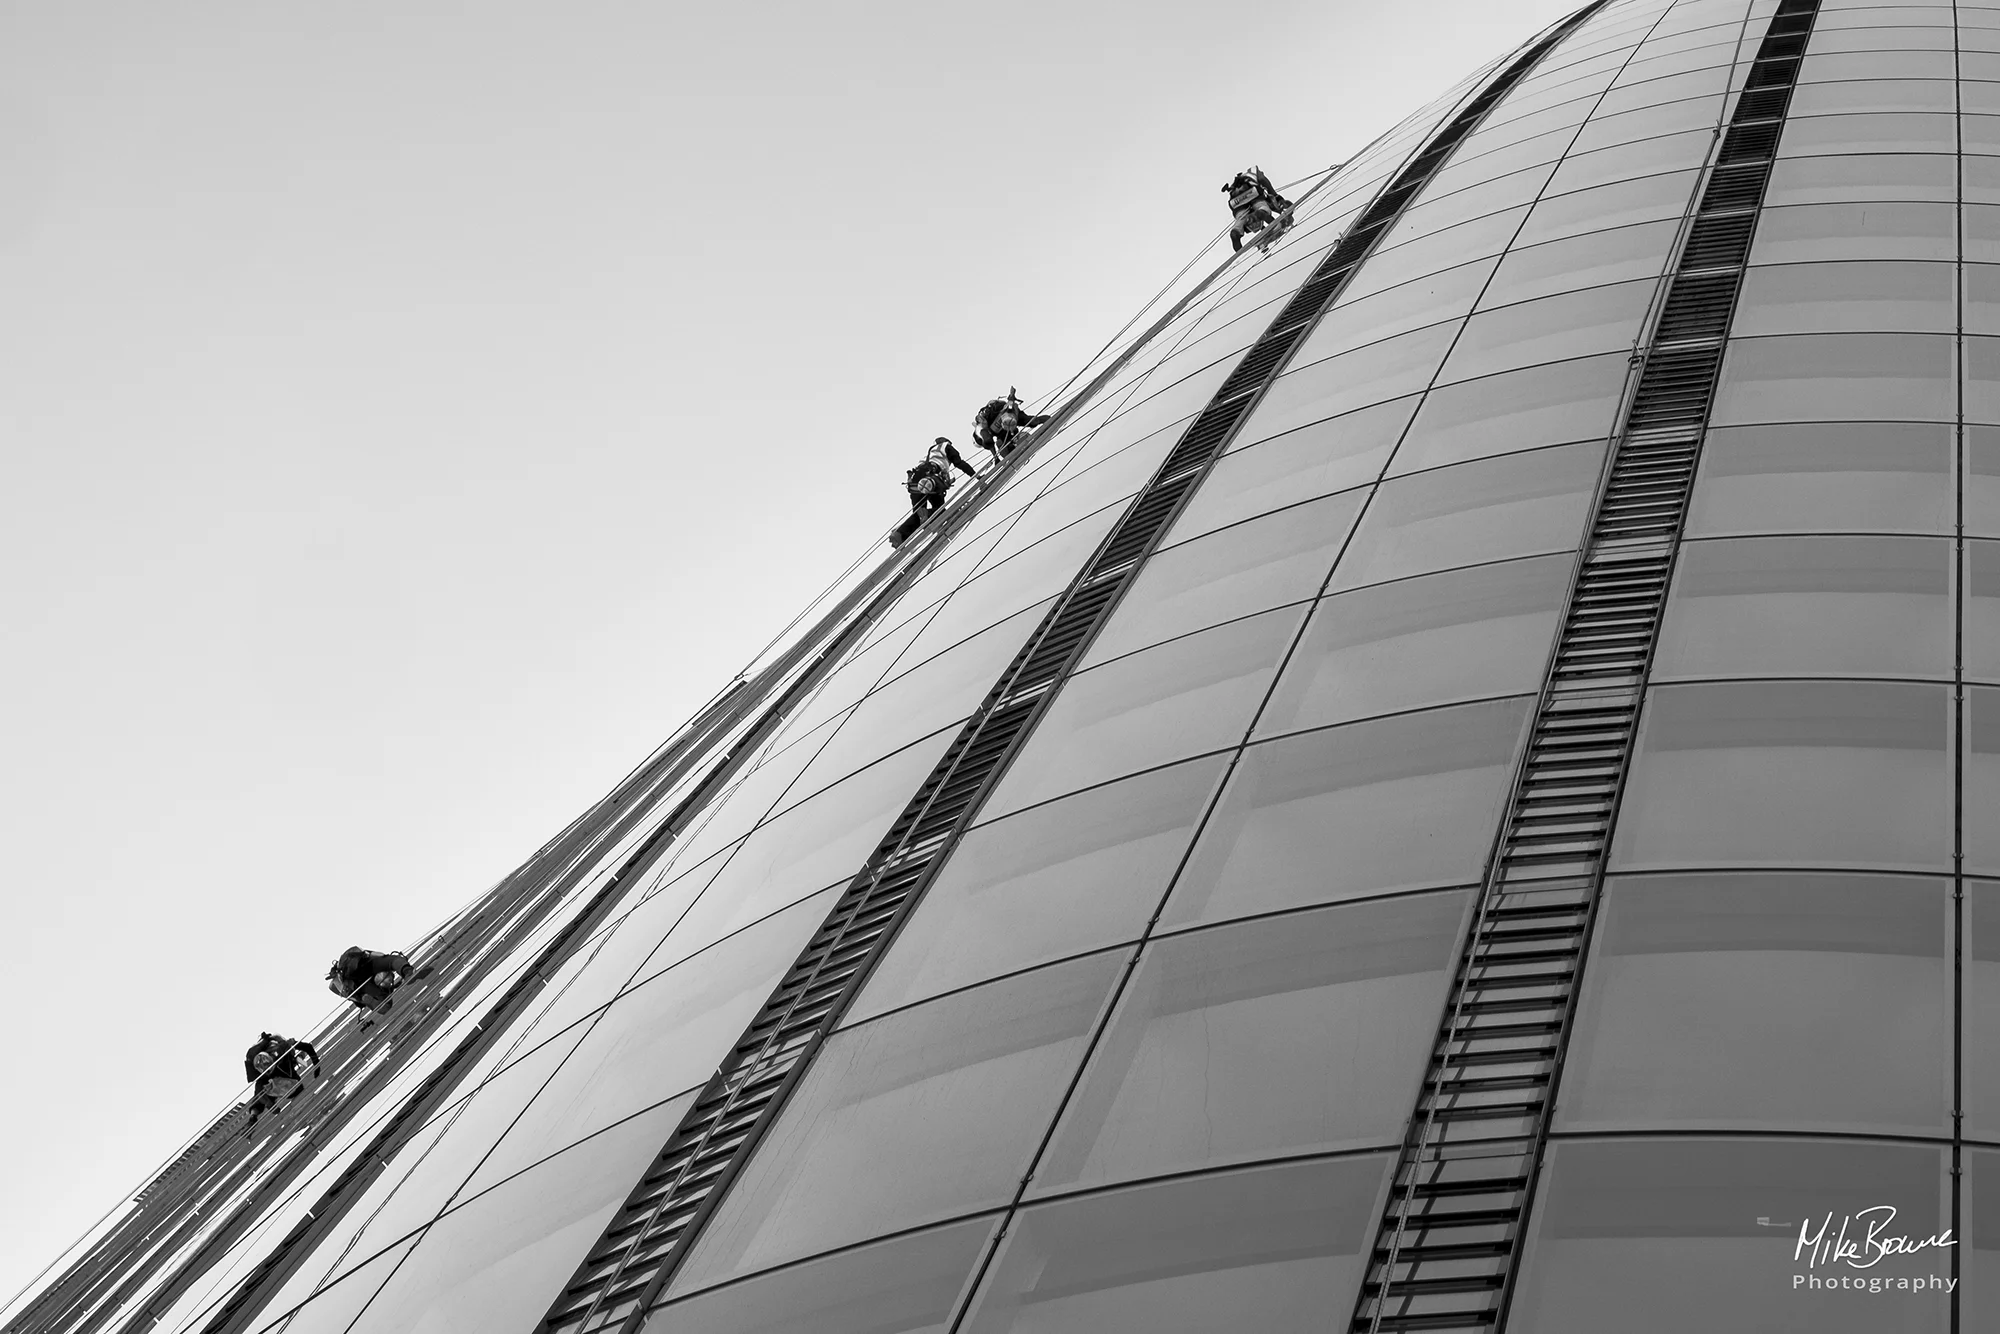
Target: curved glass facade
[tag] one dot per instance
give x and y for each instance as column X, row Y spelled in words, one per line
column 1145, row 1053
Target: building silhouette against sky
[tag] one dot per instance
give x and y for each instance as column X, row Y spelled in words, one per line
column 1450, row 788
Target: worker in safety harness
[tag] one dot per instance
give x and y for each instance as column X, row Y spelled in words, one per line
column 1000, row 422
column 927, row 484
column 1255, row 202
column 367, row 978
column 272, row 1067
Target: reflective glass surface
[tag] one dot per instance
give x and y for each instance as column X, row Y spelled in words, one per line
column 1281, row 1035
column 1401, row 802
column 1248, row 567
column 1472, row 633
column 1594, row 259
column 904, row 1286
column 912, row 1118
column 1273, row 1249
column 1836, row 376
column 1487, row 510
column 517, row 1244
column 1550, row 328
column 1514, row 410
column 1181, row 698
column 1859, row 177
column 1845, row 297
column 1677, row 1234
column 1790, row 773
column 1808, row 232
column 1374, row 374
column 1825, row 477
column 1809, row 606
column 1057, row 879
column 1846, row 981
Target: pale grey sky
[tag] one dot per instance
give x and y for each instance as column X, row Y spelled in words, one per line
column 412, row 411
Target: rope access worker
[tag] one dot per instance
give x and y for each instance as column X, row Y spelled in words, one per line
column 996, row 425
column 272, row 1067
column 1255, row 202
column 367, row 978
column 927, row 484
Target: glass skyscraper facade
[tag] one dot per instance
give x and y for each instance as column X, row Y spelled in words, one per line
column 1300, row 961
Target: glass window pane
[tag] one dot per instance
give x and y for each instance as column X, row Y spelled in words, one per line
column 1380, row 371
column 819, row 842
column 1316, row 460
column 1553, row 328
column 1333, row 455
column 1981, row 837
column 1518, row 505
column 1274, row 1249
column 662, row 1036
column 1809, row 377
column 1040, row 572
column 1441, row 250
column 1981, row 645
column 1982, row 480
column 1824, row 477
column 1440, row 206
column 1980, row 1017
column 939, row 692
column 1848, row 978
column 1184, row 698
column 1666, row 1236
column 1305, row 1031
column 1982, row 379
column 1515, row 410
column 1861, row 177
column 1878, row 132
column 1591, row 260
column 1979, row 1258
column 1844, row 67
column 1808, row 232
column 1889, row 35
column 1789, row 773
column 1060, row 879
column 904, row 1286
column 1648, row 157
column 1648, row 83
column 1809, row 606
column 1982, row 298
column 1819, row 99
column 1646, row 199
column 1981, row 133
column 1437, row 639
column 1982, row 225
column 915, row 1117
column 512, row 1248
column 1404, row 802
column 1266, row 562
column 1848, row 297
column 330, row 1310
column 1412, row 305
column 1648, row 122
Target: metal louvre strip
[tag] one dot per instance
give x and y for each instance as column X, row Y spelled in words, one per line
column 1448, row 1245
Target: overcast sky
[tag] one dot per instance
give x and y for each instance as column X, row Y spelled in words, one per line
column 412, row 411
